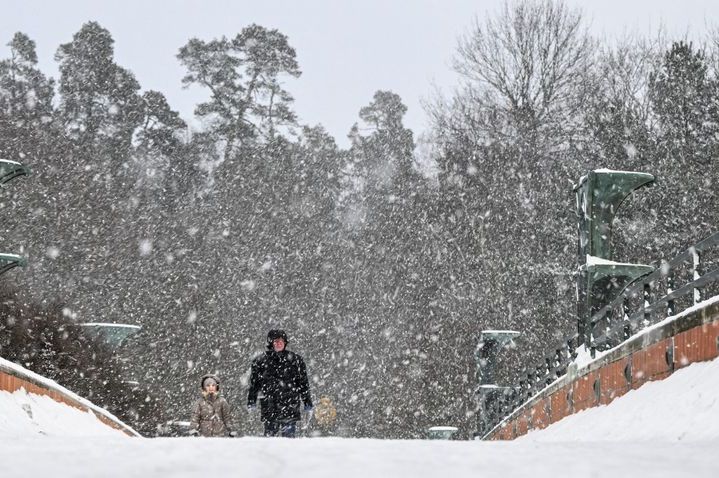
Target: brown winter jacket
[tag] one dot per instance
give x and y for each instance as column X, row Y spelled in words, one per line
column 212, row 417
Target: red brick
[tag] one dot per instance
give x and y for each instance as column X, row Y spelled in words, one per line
column 505, row 433
column 650, row 363
column 559, row 405
column 696, row 345
column 522, row 424
column 583, row 392
column 613, row 382
column 539, row 415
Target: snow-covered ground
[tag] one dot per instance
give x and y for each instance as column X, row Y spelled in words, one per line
column 664, row 429
column 24, row 414
column 44, row 382
column 347, row 458
column 683, row 407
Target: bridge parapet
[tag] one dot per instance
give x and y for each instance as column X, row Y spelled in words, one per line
column 652, row 354
column 616, row 302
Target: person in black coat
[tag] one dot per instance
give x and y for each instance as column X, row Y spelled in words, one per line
column 279, row 379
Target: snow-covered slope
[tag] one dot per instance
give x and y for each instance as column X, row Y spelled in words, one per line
column 682, row 407
column 24, row 414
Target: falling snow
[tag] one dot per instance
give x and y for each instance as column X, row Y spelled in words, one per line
column 383, row 259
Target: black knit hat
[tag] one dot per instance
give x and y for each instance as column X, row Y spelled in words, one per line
column 274, row 334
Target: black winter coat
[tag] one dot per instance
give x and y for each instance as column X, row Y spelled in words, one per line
column 280, row 381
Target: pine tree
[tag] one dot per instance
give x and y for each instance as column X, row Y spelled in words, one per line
column 684, row 97
column 243, row 75
column 100, row 106
column 26, row 111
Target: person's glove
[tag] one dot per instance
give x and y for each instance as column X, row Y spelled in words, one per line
column 232, row 434
column 193, row 433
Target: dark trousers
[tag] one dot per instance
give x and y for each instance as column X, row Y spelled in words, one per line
column 280, row 429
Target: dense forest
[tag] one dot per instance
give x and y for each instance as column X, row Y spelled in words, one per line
column 382, row 275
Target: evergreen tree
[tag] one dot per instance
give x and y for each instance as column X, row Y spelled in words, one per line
column 100, row 106
column 26, row 111
column 243, row 75
column 684, row 97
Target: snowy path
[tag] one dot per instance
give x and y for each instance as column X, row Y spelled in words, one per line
column 333, row 457
column 668, row 428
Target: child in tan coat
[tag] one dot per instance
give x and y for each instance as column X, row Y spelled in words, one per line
column 211, row 415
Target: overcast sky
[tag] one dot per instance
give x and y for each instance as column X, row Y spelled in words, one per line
column 346, row 50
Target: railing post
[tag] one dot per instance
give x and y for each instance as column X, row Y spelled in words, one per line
column 671, row 306
column 625, row 318
column 550, row 375
column 532, row 382
column 560, row 368
column 494, row 401
column 541, row 375
column 646, row 303
column 695, row 274
column 572, row 345
column 612, row 338
column 599, row 194
column 10, row 170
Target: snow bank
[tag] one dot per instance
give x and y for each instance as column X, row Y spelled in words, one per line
column 682, row 407
column 25, row 414
column 349, row 458
column 23, row 373
column 665, row 429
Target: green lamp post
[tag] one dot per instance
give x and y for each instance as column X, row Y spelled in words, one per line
column 599, row 195
column 10, row 170
column 488, row 393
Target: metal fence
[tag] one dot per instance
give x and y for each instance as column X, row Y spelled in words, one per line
column 672, row 288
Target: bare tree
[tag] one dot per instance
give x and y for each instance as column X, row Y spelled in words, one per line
column 619, row 119
column 527, row 67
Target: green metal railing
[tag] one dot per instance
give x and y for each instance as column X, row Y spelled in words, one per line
column 654, row 297
column 674, row 287
column 615, row 300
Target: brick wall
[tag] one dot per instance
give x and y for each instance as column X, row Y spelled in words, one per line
column 652, row 363
column 696, row 345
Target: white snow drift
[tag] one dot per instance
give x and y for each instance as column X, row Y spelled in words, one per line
column 682, row 407
column 25, row 414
